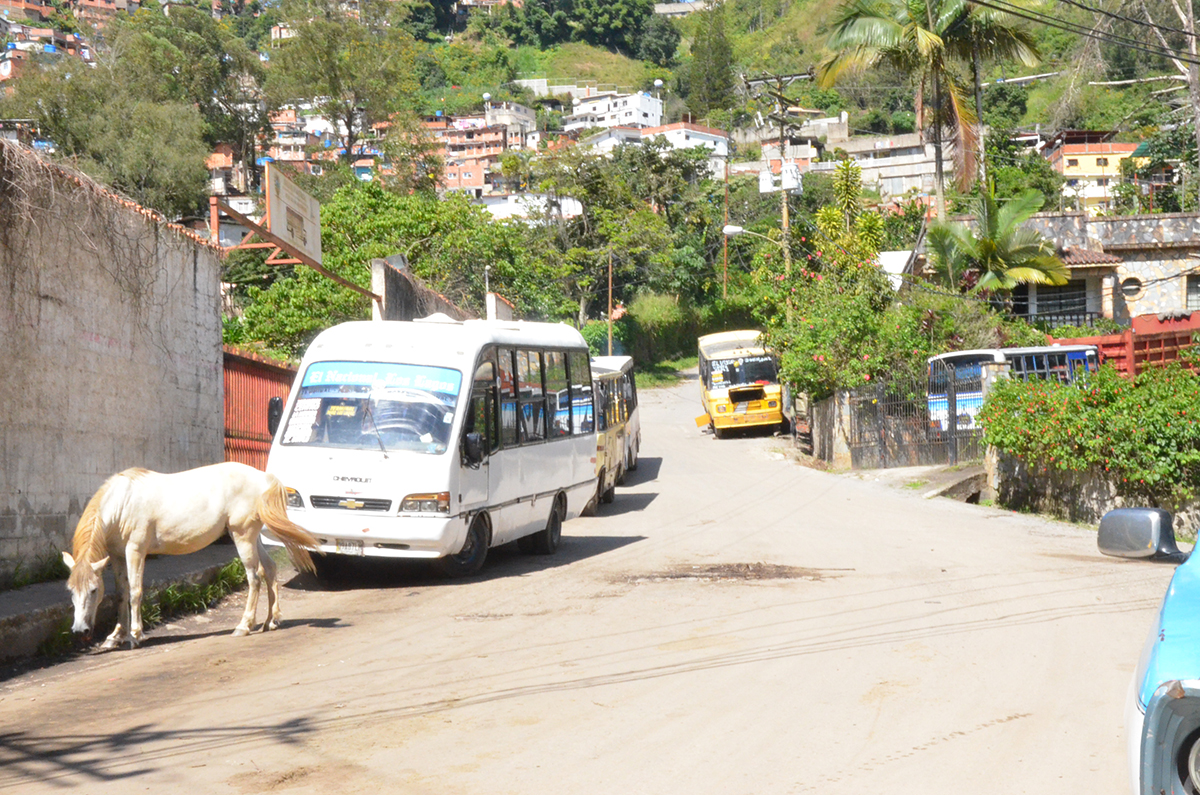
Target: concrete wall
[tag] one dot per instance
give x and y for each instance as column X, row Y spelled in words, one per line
column 404, row 297
column 111, row 354
column 830, row 423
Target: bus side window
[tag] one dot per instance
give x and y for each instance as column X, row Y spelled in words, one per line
column 557, row 395
column 579, row 372
column 508, row 398
column 533, row 398
column 630, row 391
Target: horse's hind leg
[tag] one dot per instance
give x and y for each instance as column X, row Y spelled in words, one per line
column 247, row 547
column 271, row 586
column 119, row 634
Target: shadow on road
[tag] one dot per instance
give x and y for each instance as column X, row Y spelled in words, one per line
column 66, row 760
column 647, row 471
column 502, row 561
column 626, row 503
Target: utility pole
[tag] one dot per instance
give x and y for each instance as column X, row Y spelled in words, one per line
column 610, row 301
column 773, row 86
column 725, row 238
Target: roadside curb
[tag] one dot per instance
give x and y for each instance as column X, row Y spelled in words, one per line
column 32, row 615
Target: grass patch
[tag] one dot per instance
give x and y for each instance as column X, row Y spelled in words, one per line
column 916, row 484
column 668, row 373
column 178, row 600
column 45, row 568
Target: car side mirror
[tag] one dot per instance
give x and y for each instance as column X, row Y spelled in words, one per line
column 473, row 449
column 1139, row 533
column 274, row 414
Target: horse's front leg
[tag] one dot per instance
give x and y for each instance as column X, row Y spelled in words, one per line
column 247, row 547
column 119, row 633
column 136, row 561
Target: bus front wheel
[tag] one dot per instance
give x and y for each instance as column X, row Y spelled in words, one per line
column 468, row 560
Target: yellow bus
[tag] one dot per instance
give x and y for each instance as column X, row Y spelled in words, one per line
column 618, row 426
column 739, row 383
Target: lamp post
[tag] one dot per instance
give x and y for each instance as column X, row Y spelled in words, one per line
column 733, row 230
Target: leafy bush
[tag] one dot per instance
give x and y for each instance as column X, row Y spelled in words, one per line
column 1103, row 326
column 1142, row 435
column 595, row 332
column 662, row 327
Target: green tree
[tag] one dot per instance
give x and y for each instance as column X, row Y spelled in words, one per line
column 659, row 41
column 998, row 251
column 615, row 24
column 924, row 38
column 708, row 80
column 154, row 152
column 357, row 72
column 190, row 58
column 447, row 242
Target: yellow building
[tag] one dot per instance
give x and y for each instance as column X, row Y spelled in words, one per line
column 1091, row 165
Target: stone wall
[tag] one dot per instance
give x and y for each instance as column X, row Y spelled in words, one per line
column 112, row 350
column 1075, row 496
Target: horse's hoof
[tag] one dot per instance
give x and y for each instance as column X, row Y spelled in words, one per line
column 109, row 645
column 241, row 632
column 272, row 624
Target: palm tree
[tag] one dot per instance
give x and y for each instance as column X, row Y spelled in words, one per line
column 998, row 248
column 924, row 37
column 998, row 36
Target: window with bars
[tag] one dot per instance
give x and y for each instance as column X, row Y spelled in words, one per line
column 1070, row 297
column 1193, row 291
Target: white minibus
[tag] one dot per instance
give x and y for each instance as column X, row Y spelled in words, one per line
column 438, row 439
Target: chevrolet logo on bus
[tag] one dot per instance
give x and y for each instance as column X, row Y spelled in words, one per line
column 352, row 504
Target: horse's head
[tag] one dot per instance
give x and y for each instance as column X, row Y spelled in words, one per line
column 86, row 585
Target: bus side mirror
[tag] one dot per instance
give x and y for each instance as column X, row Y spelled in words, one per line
column 274, row 414
column 473, row 449
column 1139, row 533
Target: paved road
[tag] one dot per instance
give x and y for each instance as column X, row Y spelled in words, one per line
column 733, row 623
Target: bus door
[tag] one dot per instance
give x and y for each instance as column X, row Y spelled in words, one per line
column 482, row 418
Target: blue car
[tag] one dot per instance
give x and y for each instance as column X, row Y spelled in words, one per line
column 1162, row 714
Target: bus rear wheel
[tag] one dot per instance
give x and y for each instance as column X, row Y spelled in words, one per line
column 468, row 560
column 546, row 540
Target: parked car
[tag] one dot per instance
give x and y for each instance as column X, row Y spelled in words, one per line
column 1162, row 713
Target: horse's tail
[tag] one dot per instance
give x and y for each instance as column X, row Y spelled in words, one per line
column 272, row 510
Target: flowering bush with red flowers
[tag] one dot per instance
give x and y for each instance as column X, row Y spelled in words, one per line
column 1143, row 435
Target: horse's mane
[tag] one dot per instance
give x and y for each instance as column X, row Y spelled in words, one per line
column 90, row 543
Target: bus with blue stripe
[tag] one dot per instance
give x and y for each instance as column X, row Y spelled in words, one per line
column 1066, row 364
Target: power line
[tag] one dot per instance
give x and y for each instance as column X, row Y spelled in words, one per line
column 1142, row 22
column 1080, row 30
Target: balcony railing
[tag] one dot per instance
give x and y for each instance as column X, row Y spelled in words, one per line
column 1053, row 320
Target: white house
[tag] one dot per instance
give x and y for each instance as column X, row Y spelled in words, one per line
column 614, row 110
column 605, row 142
column 504, row 206
column 685, row 135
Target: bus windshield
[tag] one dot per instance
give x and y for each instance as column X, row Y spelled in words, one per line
column 743, row 370
column 375, row 405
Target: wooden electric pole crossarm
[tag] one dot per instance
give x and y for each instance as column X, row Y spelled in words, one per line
column 299, row 256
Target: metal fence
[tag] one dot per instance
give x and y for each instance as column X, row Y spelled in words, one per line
column 250, row 382
column 912, row 421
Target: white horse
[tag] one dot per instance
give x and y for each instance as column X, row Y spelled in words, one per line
column 138, row 513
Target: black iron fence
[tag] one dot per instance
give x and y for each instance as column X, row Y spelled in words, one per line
column 917, row 420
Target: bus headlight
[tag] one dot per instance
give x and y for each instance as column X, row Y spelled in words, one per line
column 294, row 500
column 426, row 503
column 720, row 409
column 772, row 404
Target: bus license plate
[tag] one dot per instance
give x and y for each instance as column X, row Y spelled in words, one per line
column 348, row 546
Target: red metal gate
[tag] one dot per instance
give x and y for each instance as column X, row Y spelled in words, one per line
column 250, row 382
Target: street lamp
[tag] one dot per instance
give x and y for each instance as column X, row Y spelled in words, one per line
column 486, row 99
column 733, row 230
column 658, row 84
